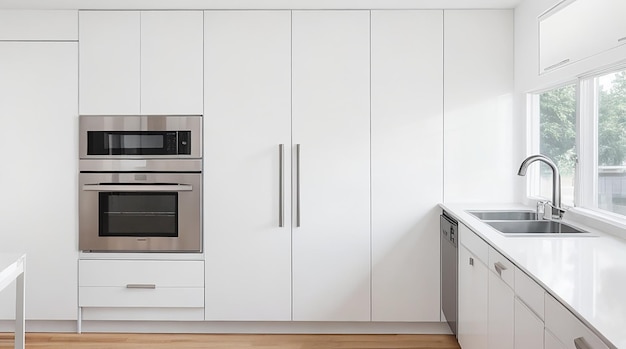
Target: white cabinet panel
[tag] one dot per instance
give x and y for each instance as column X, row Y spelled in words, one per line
column 38, row 25
column 331, row 122
column 528, row 328
column 109, row 62
column 94, row 273
column 550, row 342
column 407, row 163
column 501, row 313
column 473, row 327
column 478, row 106
column 567, row 328
column 171, row 62
column 474, row 244
column 38, row 206
column 530, row 293
column 248, row 114
column 502, row 267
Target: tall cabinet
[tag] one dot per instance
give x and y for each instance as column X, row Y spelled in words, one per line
column 323, row 161
column 331, row 133
column 247, row 139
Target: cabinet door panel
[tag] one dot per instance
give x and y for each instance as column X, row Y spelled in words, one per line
column 109, row 54
column 39, row 91
column 331, row 122
column 407, row 115
column 171, row 62
column 501, row 313
column 528, row 328
column 473, row 301
column 248, row 114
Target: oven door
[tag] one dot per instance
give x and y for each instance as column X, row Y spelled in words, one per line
column 140, row 212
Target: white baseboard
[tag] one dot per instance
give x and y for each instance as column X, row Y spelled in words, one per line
column 234, row 327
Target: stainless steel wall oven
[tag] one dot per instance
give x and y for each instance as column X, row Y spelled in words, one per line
column 140, row 184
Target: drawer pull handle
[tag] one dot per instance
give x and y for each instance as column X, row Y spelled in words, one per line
column 581, row 343
column 565, row 61
column 471, row 261
column 499, row 267
column 621, row 39
column 143, row 286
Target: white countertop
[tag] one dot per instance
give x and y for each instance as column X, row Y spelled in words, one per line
column 586, row 273
column 11, row 264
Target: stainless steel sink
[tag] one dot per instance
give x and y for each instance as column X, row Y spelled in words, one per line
column 510, row 215
column 534, row 227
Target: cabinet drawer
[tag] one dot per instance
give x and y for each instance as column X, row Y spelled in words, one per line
column 161, row 297
column 120, row 273
column 473, row 243
column 502, row 267
column 567, row 328
column 529, row 292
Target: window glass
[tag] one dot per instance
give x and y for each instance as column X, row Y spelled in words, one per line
column 611, row 138
column 557, row 129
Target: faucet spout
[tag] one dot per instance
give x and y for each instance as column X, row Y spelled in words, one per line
column 556, row 179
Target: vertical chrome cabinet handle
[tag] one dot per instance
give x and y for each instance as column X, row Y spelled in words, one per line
column 281, row 185
column 297, row 185
column 581, row 343
column 499, row 267
column 471, row 261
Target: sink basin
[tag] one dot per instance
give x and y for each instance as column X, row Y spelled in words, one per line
column 512, row 215
column 534, row 227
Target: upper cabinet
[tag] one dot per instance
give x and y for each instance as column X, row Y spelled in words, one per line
column 579, row 30
column 141, row 62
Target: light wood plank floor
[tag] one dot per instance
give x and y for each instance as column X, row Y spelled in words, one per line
column 234, row 341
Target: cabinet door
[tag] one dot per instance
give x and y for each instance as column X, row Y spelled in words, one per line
column 501, row 314
column 473, row 301
column 407, row 133
column 171, row 62
column 551, row 342
column 38, row 111
column 331, row 124
column 528, row 328
column 109, row 54
column 248, row 115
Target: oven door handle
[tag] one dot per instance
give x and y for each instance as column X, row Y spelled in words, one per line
column 137, row 188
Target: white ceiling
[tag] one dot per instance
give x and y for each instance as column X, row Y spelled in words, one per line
column 257, row 4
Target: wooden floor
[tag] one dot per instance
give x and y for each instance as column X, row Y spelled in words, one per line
column 234, row 341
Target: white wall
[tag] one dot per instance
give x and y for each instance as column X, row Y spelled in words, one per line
column 479, row 137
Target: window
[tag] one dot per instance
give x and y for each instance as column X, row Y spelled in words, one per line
column 611, row 142
column 557, row 140
column 582, row 127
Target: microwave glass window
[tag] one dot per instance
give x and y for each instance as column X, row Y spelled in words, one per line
column 138, row 142
column 138, row 214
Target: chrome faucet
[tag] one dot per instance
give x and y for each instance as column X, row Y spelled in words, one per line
column 556, row 210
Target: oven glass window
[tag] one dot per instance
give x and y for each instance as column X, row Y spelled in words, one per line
column 138, row 214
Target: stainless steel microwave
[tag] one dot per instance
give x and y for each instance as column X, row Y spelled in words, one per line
column 140, row 137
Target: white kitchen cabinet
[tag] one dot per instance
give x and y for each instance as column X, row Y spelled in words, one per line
column 529, row 329
column 550, row 342
column 406, row 136
column 38, row 111
column 501, row 302
column 331, row 132
column 39, row 25
column 568, row 329
column 473, row 325
column 171, row 62
column 109, row 65
column 579, row 30
column 248, row 115
column 141, row 62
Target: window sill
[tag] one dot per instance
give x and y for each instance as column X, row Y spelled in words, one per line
column 603, row 222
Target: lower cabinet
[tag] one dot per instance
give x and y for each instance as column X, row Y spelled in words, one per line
column 173, row 287
column 528, row 327
column 473, row 291
column 501, row 307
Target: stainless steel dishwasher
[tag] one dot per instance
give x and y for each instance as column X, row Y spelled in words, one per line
column 449, row 269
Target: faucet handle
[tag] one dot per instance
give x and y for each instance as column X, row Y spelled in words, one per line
column 552, row 212
column 541, row 209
